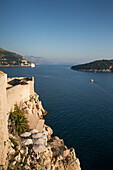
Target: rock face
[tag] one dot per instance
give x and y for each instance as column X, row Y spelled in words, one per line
column 37, row 149
column 34, row 112
column 50, row 156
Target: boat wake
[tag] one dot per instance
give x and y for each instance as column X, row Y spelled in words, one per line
column 104, row 90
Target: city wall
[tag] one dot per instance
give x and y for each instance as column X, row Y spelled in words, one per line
column 19, row 93
column 10, row 94
column 3, row 120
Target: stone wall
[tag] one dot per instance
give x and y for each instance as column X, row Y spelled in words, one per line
column 10, row 95
column 3, row 121
column 57, row 156
column 19, row 93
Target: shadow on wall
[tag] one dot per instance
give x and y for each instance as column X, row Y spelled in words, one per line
column 18, row 81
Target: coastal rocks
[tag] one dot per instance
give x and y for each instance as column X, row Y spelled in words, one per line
column 49, row 130
column 43, row 152
column 34, row 112
column 57, row 156
column 33, row 106
column 66, row 153
column 96, row 70
column 47, row 154
column 36, row 149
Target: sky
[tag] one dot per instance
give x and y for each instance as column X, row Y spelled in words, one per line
column 76, row 31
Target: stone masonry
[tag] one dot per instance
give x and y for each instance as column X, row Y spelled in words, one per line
column 3, row 120
column 12, row 91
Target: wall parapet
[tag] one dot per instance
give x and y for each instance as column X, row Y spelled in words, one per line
column 18, row 90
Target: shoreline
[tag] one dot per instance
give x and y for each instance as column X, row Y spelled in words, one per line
column 93, row 70
column 44, row 151
column 14, row 66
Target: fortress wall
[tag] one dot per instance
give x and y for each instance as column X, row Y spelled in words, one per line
column 31, row 86
column 3, row 121
column 8, row 98
column 19, row 93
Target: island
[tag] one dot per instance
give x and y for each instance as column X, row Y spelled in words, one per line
column 95, row 66
column 8, row 59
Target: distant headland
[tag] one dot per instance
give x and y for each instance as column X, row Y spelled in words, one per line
column 10, row 59
column 95, row 66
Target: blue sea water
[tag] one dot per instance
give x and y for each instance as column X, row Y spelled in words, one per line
column 80, row 112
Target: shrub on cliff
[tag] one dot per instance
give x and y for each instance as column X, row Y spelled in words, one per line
column 18, row 121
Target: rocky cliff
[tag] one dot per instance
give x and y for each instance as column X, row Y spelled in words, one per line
column 25, row 139
column 37, row 149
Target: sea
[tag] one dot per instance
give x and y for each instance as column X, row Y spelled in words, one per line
column 79, row 112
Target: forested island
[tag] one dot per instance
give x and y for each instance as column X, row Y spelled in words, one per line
column 8, row 58
column 95, row 66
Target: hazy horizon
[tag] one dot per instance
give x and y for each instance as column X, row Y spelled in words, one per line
column 75, row 31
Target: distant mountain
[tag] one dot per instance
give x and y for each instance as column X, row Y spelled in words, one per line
column 8, row 58
column 37, row 60
column 95, row 66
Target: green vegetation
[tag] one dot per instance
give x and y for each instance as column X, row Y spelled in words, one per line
column 15, row 143
column 15, row 147
column 18, row 121
column 98, row 65
column 8, row 58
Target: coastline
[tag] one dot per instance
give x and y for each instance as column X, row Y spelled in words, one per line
column 95, row 66
column 15, row 66
column 94, row 70
column 53, row 154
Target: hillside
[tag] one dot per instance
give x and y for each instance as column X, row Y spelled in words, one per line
column 8, row 58
column 96, row 66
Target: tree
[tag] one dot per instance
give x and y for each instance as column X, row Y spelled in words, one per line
column 18, row 120
column 21, row 123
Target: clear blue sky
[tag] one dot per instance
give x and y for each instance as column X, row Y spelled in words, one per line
column 63, row 30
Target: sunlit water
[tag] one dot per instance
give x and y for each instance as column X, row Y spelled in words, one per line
column 79, row 111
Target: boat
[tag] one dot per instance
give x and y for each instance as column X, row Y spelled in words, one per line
column 92, row 80
column 32, row 65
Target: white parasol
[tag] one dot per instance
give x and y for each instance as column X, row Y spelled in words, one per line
column 33, row 131
column 26, row 134
column 39, row 149
column 38, row 135
column 27, row 142
column 39, row 141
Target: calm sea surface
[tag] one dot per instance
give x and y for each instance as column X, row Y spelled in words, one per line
column 79, row 111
